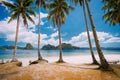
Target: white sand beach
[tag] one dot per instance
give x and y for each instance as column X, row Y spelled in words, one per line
column 80, row 59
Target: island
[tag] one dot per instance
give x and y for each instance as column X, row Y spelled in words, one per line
column 27, row 47
column 65, row 46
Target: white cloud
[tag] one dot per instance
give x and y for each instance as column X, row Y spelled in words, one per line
column 52, row 28
column 25, row 36
column 54, row 34
column 113, row 40
column 81, row 40
column 53, row 41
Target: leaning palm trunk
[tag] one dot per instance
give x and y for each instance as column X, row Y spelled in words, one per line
column 60, row 46
column 16, row 40
column 104, row 63
column 39, row 55
column 90, row 45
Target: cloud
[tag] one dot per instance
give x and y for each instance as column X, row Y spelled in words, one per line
column 81, row 40
column 8, row 31
column 25, row 35
column 52, row 28
column 54, row 35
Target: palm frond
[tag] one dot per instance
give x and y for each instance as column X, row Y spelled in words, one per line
column 27, row 2
column 31, row 12
column 29, row 18
column 9, row 5
column 59, row 9
column 24, row 19
column 112, row 11
column 22, row 8
column 14, row 16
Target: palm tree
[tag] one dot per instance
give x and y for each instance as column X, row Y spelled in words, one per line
column 112, row 11
column 39, row 4
column 19, row 8
column 58, row 11
column 81, row 2
column 104, row 63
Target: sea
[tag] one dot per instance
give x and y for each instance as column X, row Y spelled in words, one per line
column 80, row 56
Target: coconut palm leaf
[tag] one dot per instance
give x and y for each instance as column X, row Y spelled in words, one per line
column 31, row 12
column 29, row 18
column 9, row 5
column 59, row 9
column 14, row 16
column 19, row 8
column 112, row 11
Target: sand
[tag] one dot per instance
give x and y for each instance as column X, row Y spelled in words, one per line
column 55, row 71
column 78, row 59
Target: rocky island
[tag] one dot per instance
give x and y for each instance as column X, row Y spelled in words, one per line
column 65, row 46
column 27, row 47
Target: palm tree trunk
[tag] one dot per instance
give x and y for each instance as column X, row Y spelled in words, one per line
column 16, row 40
column 104, row 63
column 39, row 55
column 60, row 46
column 90, row 45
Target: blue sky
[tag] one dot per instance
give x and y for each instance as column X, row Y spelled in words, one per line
column 73, row 31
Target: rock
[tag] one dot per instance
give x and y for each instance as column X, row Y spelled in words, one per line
column 65, row 46
column 48, row 47
column 29, row 46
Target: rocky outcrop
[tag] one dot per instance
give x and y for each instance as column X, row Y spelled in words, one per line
column 65, row 46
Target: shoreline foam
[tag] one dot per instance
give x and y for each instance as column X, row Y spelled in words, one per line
column 80, row 59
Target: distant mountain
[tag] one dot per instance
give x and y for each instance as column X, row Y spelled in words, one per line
column 48, row 47
column 29, row 46
column 65, row 46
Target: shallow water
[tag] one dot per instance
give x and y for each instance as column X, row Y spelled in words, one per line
column 70, row 56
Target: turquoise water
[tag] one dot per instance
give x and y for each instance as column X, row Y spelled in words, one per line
column 7, row 54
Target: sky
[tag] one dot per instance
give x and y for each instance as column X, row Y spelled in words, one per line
column 73, row 31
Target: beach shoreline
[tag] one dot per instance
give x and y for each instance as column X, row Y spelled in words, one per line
column 80, row 59
column 56, row 71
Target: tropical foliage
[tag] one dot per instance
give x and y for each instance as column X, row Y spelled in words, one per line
column 20, row 8
column 112, row 11
column 58, row 11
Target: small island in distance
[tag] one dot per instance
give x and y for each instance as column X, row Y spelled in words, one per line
column 65, row 46
column 27, row 47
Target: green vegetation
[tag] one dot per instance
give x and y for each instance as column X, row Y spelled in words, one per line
column 112, row 11
column 65, row 46
column 48, row 47
column 20, row 8
column 58, row 11
column 29, row 46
